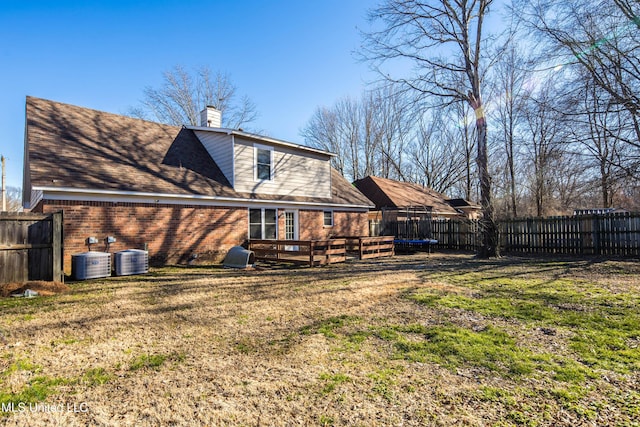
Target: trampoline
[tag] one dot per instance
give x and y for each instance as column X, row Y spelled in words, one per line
column 409, row 245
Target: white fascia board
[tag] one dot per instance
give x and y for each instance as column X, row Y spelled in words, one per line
column 233, row 162
column 265, row 139
column 117, row 196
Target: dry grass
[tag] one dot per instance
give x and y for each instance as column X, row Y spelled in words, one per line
column 43, row 288
column 324, row 346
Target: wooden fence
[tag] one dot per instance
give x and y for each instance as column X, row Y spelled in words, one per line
column 311, row 252
column 30, row 247
column 371, row 247
column 456, row 234
column 606, row 234
column 322, row 252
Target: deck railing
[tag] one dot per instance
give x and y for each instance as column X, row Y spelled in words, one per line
column 311, row 252
column 371, row 247
column 321, row 252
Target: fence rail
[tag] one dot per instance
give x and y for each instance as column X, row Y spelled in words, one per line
column 602, row 234
column 322, row 252
column 30, row 247
column 371, row 247
column 608, row 234
column 311, row 252
column 457, row 235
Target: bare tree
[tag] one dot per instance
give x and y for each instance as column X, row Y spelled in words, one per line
column 14, row 199
column 444, row 40
column 396, row 118
column 510, row 86
column 338, row 129
column 461, row 133
column 440, row 151
column 597, row 126
column 184, row 94
column 368, row 134
column 349, row 128
column 601, row 37
column 321, row 131
column 544, row 142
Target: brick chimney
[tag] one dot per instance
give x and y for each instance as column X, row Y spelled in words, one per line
column 211, row 117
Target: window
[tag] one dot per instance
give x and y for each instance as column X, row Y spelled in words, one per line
column 263, row 163
column 255, row 223
column 290, row 225
column 263, row 224
column 328, row 218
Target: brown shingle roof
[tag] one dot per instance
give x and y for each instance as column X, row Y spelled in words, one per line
column 77, row 147
column 387, row 193
column 81, row 148
column 343, row 192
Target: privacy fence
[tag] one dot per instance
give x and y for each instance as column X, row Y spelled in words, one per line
column 605, row 234
column 608, row 234
column 30, row 247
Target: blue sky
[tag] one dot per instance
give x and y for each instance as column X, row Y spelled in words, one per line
column 288, row 56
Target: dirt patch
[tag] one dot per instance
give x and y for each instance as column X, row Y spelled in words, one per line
column 43, row 288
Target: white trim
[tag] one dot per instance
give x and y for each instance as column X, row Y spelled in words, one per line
column 296, row 223
column 119, row 196
column 233, row 161
column 296, row 229
column 264, row 139
column 256, row 148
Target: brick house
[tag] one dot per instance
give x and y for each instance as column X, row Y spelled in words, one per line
column 404, row 200
column 180, row 191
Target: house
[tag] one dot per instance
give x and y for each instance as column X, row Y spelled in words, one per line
column 399, row 201
column 181, row 192
column 469, row 209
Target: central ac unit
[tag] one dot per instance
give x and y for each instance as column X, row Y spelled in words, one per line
column 91, row 265
column 131, row 261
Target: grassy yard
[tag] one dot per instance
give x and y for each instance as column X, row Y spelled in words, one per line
column 416, row 340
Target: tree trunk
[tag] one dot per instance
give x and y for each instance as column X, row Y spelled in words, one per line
column 512, row 171
column 604, row 183
column 488, row 225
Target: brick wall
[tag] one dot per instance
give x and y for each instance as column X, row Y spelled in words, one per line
column 172, row 233
column 351, row 223
column 344, row 224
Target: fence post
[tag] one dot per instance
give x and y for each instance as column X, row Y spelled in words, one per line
column 311, row 255
column 595, row 230
column 57, row 249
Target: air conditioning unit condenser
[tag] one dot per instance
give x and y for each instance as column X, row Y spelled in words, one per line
column 91, row 265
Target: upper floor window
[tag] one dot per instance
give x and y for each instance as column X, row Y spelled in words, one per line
column 263, row 163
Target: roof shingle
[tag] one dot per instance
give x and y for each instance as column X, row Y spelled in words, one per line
column 81, row 148
column 387, row 193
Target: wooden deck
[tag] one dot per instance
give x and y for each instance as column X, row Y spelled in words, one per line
column 321, row 252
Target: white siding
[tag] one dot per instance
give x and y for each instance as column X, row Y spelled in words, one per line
column 295, row 173
column 220, row 148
